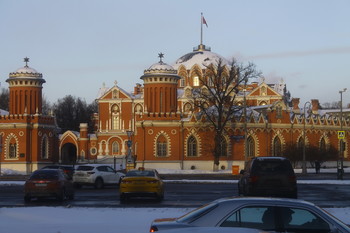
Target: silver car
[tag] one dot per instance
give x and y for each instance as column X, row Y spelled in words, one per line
column 214, row 230
column 268, row 214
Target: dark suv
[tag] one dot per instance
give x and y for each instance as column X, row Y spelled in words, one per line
column 268, row 176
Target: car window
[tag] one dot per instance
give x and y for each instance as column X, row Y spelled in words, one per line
column 195, row 214
column 109, row 169
column 271, row 167
column 301, row 220
column 102, row 168
column 252, row 217
column 45, row 175
column 140, row 173
column 85, row 168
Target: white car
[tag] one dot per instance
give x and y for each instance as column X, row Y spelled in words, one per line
column 96, row 175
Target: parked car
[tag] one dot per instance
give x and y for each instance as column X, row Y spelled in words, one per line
column 268, row 176
column 96, row 175
column 68, row 169
column 268, row 214
column 48, row 183
column 141, row 183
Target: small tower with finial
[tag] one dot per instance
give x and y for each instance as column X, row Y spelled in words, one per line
column 25, row 86
column 160, row 88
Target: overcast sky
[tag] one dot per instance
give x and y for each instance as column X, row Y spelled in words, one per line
column 80, row 44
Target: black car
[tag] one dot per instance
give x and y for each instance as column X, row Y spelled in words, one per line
column 268, row 176
column 67, row 169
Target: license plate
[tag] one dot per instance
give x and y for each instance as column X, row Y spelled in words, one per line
column 40, row 185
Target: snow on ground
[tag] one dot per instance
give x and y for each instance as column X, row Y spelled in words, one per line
column 107, row 220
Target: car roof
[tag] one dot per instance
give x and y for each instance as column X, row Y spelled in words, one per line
column 95, row 165
column 48, row 170
column 143, row 169
column 269, row 158
column 266, row 200
column 213, row 230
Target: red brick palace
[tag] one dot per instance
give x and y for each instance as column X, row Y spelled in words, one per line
column 164, row 130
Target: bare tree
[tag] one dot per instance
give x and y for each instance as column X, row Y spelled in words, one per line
column 4, row 99
column 215, row 97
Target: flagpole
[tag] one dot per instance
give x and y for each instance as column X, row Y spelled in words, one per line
column 201, row 28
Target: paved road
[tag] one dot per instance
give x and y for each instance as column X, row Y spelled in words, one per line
column 176, row 195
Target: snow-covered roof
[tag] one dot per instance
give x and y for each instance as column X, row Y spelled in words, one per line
column 3, row 112
column 160, row 68
column 201, row 58
column 26, row 69
column 26, row 72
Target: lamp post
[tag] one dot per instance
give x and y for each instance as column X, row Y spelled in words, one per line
column 304, row 171
column 340, row 168
column 245, row 122
column 129, row 157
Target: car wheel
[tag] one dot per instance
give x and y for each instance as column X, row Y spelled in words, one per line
column 27, row 199
column 99, row 183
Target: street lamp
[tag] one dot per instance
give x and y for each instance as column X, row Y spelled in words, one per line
column 304, row 171
column 245, row 121
column 340, row 167
column 129, row 158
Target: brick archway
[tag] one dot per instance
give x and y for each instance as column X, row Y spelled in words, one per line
column 68, row 153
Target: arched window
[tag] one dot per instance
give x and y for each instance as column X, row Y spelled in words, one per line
column 250, row 147
column 192, row 147
column 187, row 107
column 210, row 82
column 115, row 94
column 277, row 147
column 182, row 82
column 323, row 145
column 13, row 150
column 223, row 147
column 162, row 146
column 300, row 142
column 115, row 148
column 279, row 112
column 195, row 81
column 115, row 117
column 44, row 148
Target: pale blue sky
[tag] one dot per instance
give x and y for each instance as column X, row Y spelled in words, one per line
column 80, row 44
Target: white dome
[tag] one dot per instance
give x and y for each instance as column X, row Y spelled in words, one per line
column 201, row 58
column 26, row 70
column 160, row 68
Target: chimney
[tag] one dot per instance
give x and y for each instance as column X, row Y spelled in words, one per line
column 137, row 89
column 315, row 103
column 295, row 103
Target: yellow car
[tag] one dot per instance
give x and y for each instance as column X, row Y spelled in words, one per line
column 141, row 183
